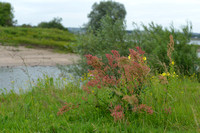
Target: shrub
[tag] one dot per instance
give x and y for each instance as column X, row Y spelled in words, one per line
column 154, row 39
column 123, row 77
column 55, row 23
column 26, row 25
column 110, row 36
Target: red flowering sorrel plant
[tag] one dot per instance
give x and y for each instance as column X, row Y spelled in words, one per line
column 67, row 107
column 117, row 113
column 123, row 76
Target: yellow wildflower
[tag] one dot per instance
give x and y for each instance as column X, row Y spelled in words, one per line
column 144, row 58
column 163, row 74
column 129, row 57
column 172, row 62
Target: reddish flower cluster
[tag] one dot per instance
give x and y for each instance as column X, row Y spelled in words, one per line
column 120, row 72
column 132, row 71
column 132, row 100
column 143, row 108
column 168, row 110
column 117, row 113
column 67, row 107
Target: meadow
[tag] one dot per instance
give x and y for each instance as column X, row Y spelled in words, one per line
column 120, row 92
column 176, row 109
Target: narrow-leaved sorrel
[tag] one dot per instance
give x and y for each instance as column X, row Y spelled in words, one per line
column 125, row 77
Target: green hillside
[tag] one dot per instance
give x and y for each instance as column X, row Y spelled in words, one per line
column 38, row 37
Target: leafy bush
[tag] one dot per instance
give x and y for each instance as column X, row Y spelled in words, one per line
column 55, row 23
column 154, row 40
column 26, row 25
column 110, row 36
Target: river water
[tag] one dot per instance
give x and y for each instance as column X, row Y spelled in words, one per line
column 22, row 77
column 195, row 42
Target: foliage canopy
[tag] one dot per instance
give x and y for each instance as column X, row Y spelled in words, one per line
column 6, row 14
column 113, row 9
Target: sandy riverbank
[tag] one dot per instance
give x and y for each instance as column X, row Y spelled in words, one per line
column 20, row 56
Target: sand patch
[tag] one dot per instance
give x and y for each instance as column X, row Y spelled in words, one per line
column 20, row 56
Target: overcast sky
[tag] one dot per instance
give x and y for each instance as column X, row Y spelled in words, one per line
column 74, row 12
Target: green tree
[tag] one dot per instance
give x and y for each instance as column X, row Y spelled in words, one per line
column 55, row 23
column 113, row 9
column 6, row 14
column 110, row 36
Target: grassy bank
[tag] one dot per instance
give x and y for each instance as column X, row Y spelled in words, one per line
column 38, row 37
column 37, row 110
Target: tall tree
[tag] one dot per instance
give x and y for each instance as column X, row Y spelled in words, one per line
column 6, row 14
column 113, row 9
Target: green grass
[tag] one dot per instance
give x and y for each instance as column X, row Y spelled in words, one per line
column 36, row 110
column 38, row 37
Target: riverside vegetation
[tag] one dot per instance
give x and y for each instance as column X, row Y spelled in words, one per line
column 110, row 101
column 123, row 88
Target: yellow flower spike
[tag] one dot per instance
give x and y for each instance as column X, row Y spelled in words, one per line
column 163, row 74
column 172, row 62
column 92, row 91
column 144, row 58
column 129, row 57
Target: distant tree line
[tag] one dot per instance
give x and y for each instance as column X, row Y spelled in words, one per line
column 196, row 35
column 55, row 23
column 7, row 19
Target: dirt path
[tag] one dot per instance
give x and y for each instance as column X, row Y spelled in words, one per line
column 20, row 56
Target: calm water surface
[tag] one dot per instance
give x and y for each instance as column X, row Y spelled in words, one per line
column 197, row 42
column 21, row 77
